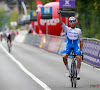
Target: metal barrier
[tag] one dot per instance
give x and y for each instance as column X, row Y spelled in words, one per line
column 56, row 44
column 91, row 51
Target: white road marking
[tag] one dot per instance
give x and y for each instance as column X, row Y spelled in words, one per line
column 26, row 71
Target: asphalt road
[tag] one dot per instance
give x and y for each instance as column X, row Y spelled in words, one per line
column 47, row 67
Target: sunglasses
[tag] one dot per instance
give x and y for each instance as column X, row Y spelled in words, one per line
column 72, row 21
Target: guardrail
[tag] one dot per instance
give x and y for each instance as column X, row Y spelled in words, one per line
column 56, row 44
column 93, row 39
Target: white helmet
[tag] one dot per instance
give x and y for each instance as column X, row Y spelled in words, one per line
column 7, row 34
column 72, row 19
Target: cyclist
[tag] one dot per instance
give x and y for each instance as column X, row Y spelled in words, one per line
column 1, row 35
column 9, row 38
column 73, row 34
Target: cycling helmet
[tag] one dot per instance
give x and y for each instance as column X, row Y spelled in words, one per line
column 7, row 34
column 72, row 19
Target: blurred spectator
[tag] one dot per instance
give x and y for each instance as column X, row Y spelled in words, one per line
column 16, row 33
column 1, row 35
column 30, row 31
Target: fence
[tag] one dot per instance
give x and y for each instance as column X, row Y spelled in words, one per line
column 55, row 44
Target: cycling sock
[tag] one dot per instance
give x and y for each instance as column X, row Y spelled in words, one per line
column 67, row 67
column 78, row 71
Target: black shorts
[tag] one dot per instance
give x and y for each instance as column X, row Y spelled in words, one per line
column 9, row 39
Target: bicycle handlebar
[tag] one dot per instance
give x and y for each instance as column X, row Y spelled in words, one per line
column 76, row 55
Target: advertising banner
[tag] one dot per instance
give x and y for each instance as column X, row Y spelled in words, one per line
column 46, row 42
column 62, row 43
column 22, row 38
column 67, row 3
column 46, row 12
column 91, row 52
column 34, row 39
column 26, row 19
column 37, row 44
column 59, row 45
column 63, row 47
column 30, row 39
column 67, row 8
column 13, row 24
column 20, row 21
column 33, row 15
column 17, row 38
column 42, row 41
column 53, row 44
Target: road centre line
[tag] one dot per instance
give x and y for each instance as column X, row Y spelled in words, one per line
column 26, row 71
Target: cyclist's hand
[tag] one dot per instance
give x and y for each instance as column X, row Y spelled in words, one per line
column 81, row 53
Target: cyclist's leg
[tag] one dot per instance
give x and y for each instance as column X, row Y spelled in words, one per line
column 64, row 58
column 65, row 54
column 10, row 43
column 7, row 40
column 78, row 57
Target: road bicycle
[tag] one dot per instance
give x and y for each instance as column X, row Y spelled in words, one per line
column 73, row 70
column 9, row 47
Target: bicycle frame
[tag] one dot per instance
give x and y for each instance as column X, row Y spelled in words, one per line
column 73, row 71
column 9, row 48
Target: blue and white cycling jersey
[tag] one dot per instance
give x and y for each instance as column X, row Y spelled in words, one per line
column 72, row 36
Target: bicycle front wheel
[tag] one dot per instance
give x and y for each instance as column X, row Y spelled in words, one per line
column 72, row 75
column 75, row 74
column 9, row 49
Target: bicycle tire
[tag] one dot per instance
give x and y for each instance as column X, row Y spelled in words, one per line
column 73, row 71
column 9, row 48
column 71, row 76
column 75, row 74
column 72, row 84
column 75, row 85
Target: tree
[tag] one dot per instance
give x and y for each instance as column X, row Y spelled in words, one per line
column 89, row 11
column 14, row 16
column 33, row 5
column 3, row 18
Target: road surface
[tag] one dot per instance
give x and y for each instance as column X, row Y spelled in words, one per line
column 40, row 64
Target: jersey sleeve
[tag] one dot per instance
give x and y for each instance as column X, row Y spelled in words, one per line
column 65, row 28
column 80, row 35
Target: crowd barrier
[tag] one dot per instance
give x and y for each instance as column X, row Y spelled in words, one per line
column 91, row 51
column 55, row 44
